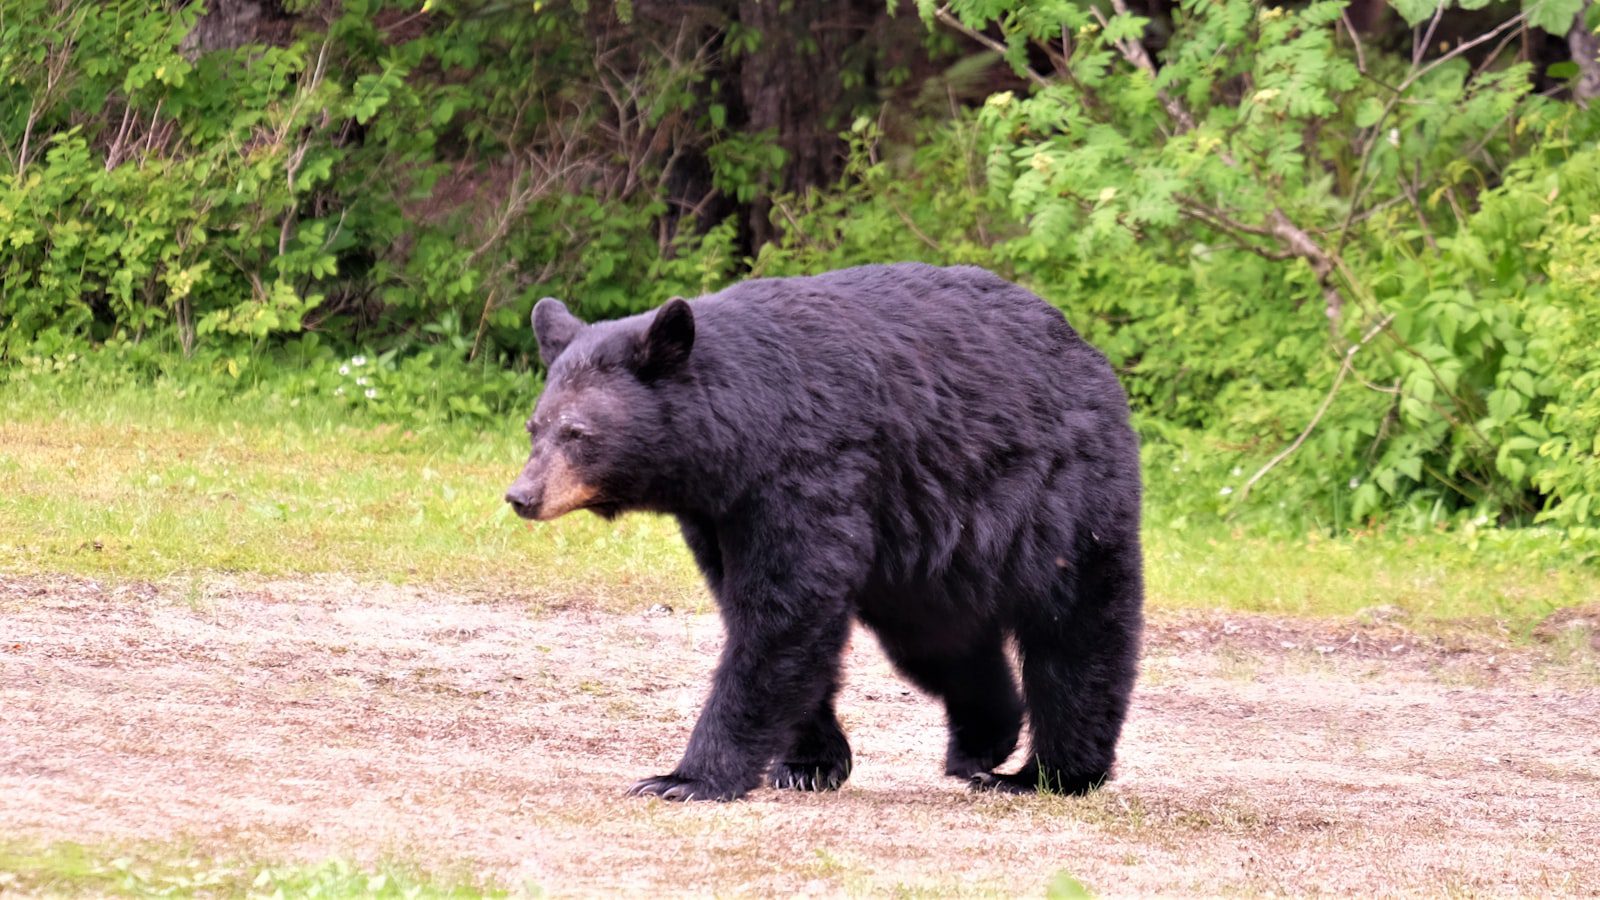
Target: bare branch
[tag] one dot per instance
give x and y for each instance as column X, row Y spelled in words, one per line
column 1327, row 401
column 1218, row 218
column 1302, row 245
column 944, row 15
column 1355, row 38
column 913, row 226
column 1394, row 99
column 1135, row 53
column 1420, row 48
column 1516, row 21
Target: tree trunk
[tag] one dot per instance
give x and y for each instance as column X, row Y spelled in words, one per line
column 792, row 85
column 234, row 23
column 1585, row 47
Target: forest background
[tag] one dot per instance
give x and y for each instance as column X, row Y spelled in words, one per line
column 1344, row 256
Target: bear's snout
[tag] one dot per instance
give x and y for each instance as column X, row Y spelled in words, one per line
column 524, row 502
column 549, row 487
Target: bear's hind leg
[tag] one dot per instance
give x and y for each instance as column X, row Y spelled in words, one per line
column 1078, row 671
column 819, row 757
column 982, row 708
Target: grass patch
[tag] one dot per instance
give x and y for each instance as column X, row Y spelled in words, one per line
column 153, row 485
column 1415, row 579
column 156, row 483
column 77, row 870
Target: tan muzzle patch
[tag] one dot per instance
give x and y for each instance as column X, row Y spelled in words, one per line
column 564, row 491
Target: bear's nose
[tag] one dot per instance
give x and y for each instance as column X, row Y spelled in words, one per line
column 522, row 501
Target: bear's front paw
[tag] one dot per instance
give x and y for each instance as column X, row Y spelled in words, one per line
column 968, row 765
column 1033, row 780
column 677, row 787
column 810, row 775
column 989, row 782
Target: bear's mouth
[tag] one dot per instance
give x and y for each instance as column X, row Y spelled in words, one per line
column 605, row 509
column 556, row 490
column 567, row 496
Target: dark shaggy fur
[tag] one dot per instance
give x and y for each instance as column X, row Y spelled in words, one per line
column 934, row 452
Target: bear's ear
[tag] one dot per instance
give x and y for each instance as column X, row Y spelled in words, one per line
column 554, row 328
column 667, row 342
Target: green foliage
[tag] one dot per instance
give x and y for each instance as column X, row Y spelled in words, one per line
column 419, row 389
column 175, row 480
column 1064, row 887
column 1228, row 229
column 69, row 869
column 179, row 473
column 1345, row 283
column 1336, row 283
column 377, row 184
column 924, row 205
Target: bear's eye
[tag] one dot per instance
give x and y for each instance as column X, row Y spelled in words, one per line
column 571, row 431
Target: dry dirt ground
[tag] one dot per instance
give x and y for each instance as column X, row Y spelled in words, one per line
column 325, row 717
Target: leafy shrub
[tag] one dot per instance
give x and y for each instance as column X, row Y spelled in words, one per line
column 1345, row 286
column 362, row 180
column 1341, row 288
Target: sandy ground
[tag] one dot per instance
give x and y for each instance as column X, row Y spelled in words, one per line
column 305, row 719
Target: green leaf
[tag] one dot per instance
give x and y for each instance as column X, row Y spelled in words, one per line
column 1126, row 27
column 1415, row 11
column 1368, row 113
column 1365, row 501
column 1563, row 71
column 1411, row 467
column 1386, row 480
column 1554, row 16
column 1504, row 404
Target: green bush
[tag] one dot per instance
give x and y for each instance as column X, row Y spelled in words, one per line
column 1346, row 287
column 360, row 182
column 1342, row 289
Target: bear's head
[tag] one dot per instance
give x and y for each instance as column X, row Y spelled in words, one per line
column 599, row 431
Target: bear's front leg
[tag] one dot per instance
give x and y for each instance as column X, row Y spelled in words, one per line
column 786, row 611
column 775, row 671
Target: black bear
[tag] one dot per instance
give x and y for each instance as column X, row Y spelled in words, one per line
column 934, row 452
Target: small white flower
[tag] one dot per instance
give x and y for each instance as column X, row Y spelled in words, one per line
column 1394, row 137
column 1481, row 520
column 1355, row 483
column 1175, row 468
column 1237, row 471
column 358, row 360
column 361, row 382
column 338, row 392
column 372, row 393
column 1226, row 490
column 344, row 370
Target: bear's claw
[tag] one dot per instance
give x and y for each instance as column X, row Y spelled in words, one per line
column 683, row 790
column 809, row 776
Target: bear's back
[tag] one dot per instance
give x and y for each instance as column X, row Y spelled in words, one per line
column 899, row 300
column 970, row 413
column 958, row 344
